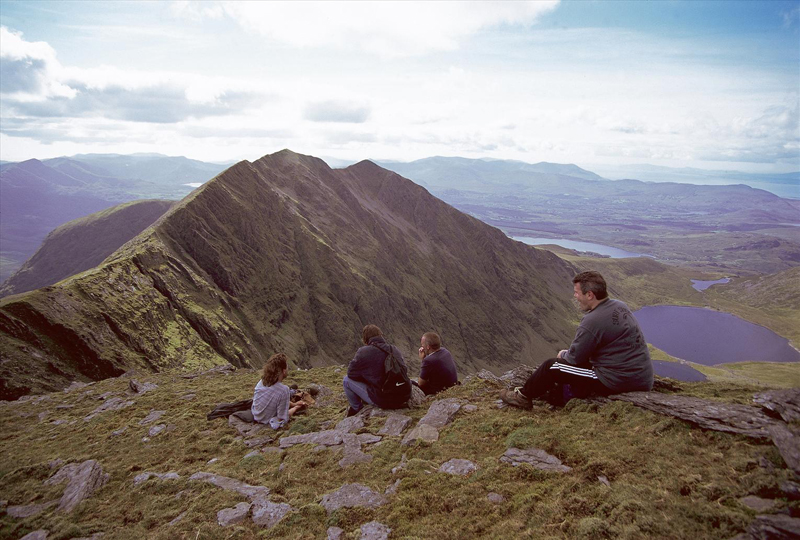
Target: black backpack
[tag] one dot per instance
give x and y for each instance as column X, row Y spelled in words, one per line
column 396, row 386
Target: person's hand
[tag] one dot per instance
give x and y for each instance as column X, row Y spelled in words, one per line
column 562, row 353
column 421, row 353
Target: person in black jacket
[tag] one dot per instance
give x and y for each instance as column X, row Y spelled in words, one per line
column 365, row 374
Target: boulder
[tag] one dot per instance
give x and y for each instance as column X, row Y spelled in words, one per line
column 268, row 514
column 441, row 412
column 783, row 403
column 152, row 417
column 774, row 527
column 349, row 424
column 350, row 496
column 232, row 516
column 83, row 479
column 534, row 457
column 375, row 531
column 113, row 404
column 256, row 494
column 395, row 424
column 458, row 467
column 423, row 432
column 145, row 476
column 330, row 437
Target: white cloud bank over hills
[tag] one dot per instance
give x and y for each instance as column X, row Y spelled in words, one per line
column 393, row 80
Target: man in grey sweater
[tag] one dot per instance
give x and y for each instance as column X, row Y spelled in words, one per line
column 608, row 355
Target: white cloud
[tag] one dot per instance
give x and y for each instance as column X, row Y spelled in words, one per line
column 29, row 70
column 337, row 111
column 388, row 29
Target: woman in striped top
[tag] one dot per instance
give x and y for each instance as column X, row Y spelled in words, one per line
column 271, row 398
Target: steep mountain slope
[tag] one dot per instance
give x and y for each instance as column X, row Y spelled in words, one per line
column 38, row 196
column 83, row 243
column 286, row 254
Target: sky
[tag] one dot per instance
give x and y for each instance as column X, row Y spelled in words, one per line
column 712, row 85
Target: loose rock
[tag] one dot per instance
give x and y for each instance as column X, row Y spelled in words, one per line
column 441, row 412
column 470, row 408
column 758, row 504
column 534, row 457
column 350, row 424
column 335, row 533
column 256, row 494
column 350, row 496
column 135, row 387
column 152, row 417
column 258, row 441
column 496, row 498
column 41, row 534
column 232, row 516
column 329, row 437
column 145, row 476
column 458, row 467
column 368, row 438
column 155, row 430
column 423, row 432
column 352, row 452
column 395, row 425
column 374, row 531
column 113, row 404
column 268, row 514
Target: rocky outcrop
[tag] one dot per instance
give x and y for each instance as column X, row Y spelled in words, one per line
column 83, row 479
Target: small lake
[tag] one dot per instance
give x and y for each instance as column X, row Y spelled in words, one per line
column 709, row 337
column 701, row 285
column 614, row 253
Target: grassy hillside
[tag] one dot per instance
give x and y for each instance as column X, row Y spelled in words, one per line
column 635, row 474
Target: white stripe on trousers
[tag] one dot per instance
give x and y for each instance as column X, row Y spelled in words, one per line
column 572, row 370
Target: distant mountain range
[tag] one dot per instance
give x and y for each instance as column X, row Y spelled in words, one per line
column 286, row 254
column 84, row 243
column 38, row 196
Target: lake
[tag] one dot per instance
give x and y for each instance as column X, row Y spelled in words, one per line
column 701, row 285
column 709, row 337
column 614, row 253
column 679, row 372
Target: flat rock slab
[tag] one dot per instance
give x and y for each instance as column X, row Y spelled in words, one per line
column 352, row 452
column 152, row 417
column 423, row 432
column 727, row 417
column 145, row 476
column 254, row 493
column 458, row 467
column 231, row 516
column 268, row 514
column 784, row 403
column 534, row 457
column 787, row 440
column 329, row 437
column 29, row 510
column 258, row 442
column 113, row 404
column 441, row 412
column 82, row 479
column 368, row 438
column 758, row 504
column 350, row 496
column 774, row 527
column 350, row 424
column 155, row 430
column 375, row 531
column 395, row 425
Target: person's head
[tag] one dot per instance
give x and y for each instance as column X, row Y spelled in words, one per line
column 370, row 331
column 430, row 342
column 274, row 369
column 589, row 289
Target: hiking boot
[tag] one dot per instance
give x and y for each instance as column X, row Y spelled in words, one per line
column 513, row 396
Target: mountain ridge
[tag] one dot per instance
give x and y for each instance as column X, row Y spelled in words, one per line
column 287, row 254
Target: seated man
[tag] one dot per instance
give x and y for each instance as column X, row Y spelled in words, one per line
column 608, row 355
column 438, row 370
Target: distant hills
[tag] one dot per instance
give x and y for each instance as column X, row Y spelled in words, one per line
column 286, row 254
column 38, row 196
column 84, row 243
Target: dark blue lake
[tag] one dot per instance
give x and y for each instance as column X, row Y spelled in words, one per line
column 711, row 337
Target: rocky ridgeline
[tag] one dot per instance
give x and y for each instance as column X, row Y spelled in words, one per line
column 774, row 416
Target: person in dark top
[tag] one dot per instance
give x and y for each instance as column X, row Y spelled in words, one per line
column 366, row 372
column 608, row 355
column 438, row 370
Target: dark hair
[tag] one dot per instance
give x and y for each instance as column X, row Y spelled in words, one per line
column 432, row 339
column 370, row 331
column 273, row 368
column 592, row 281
